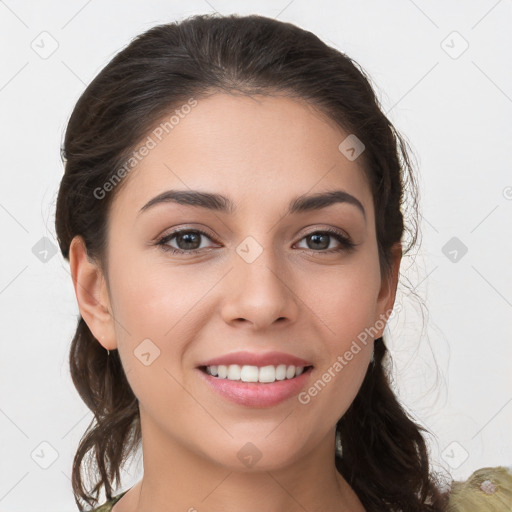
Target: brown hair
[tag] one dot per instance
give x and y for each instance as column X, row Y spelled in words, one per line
column 384, row 454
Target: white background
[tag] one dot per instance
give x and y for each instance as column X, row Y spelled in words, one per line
column 452, row 349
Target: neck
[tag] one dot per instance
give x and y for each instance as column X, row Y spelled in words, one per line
column 176, row 478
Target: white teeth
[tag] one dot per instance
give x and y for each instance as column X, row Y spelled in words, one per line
column 233, row 372
column 268, row 374
column 290, row 372
column 247, row 373
column 281, row 372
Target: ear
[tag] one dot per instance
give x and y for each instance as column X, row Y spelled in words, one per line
column 387, row 293
column 92, row 294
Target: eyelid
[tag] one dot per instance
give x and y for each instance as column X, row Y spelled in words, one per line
column 306, row 231
column 313, row 228
column 185, row 227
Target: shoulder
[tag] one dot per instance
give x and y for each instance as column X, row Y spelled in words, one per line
column 107, row 506
column 487, row 489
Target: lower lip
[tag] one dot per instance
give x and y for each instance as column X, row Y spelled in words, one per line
column 257, row 394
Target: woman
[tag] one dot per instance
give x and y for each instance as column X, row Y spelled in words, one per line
column 232, row 213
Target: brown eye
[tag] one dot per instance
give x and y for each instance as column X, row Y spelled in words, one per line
column 319, row 241
column 187, row 240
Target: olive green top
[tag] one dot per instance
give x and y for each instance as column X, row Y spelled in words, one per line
column 487, row 489
column 107, row 506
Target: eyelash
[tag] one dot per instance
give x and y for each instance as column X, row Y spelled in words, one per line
column 346, row 243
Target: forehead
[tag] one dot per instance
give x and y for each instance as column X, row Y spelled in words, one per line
column 259, row 150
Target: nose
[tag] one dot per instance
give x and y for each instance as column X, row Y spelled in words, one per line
column 259, row 293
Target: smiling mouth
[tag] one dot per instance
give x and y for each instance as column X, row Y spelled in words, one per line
column 256, row 374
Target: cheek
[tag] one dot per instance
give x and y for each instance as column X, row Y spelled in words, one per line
column 344, row 299
column 153, row 322
column 158, row 303
column 347, row 316
column 345, row 311
column 344, row 302
column 153, row 299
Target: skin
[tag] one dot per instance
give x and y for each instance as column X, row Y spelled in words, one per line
column 261, row 151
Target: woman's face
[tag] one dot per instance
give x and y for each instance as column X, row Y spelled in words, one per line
column 263, row 279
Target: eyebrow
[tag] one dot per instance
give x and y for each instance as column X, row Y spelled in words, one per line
column 223, row 204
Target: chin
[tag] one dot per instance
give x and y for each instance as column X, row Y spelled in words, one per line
column 247, row 456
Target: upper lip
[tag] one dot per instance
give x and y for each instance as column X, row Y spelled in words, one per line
column 256, row 359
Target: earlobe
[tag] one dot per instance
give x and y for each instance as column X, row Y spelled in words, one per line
column 387, row 293
column 91, row 294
